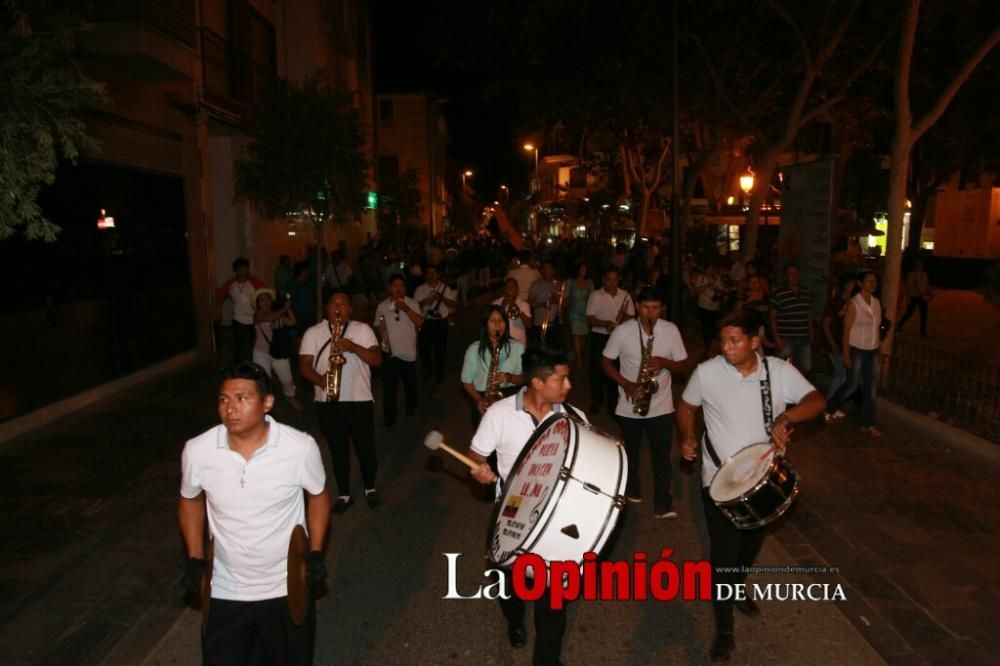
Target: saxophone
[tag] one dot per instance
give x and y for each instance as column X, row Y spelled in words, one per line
column 386, row 345
column 646, row 378
column 548, row 307
column 337, row 362
column 493, row 393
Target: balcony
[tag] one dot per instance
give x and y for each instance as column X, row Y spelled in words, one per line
column 231, row 82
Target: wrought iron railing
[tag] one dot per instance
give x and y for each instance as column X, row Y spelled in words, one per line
column 173, row 17
column 958, row 390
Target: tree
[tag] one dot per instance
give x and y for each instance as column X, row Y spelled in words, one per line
column 307, row 157
column 42, row 97
column 907, row 131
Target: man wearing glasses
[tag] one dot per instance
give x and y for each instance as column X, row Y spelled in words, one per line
column 398, row 335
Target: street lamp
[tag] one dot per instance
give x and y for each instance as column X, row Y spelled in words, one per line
column 465, row 174
column 504, row 192
column 746, row 181
column 531, row 147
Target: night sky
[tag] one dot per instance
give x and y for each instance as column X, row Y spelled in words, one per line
column 482, row 134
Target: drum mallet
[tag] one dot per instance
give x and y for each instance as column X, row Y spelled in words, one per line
column 435, row 440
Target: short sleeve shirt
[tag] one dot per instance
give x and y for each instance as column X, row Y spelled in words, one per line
column 626, row 344
column 605, row 307
column 794, row 308
column 476, row 367
column 356, row 376
column 402, row 332
column 253, row 506
column 430, row 311
column 731, row 403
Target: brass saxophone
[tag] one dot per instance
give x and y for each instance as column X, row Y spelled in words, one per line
column 621, row 311
column 646, row 378
column 548, row 307
column 493, row 393
column 386, row 345
column 337, row 362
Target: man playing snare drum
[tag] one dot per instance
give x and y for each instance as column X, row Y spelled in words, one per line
column 730, row 388
column 505, row 429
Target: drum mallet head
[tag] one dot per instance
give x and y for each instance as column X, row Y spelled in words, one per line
column 433, row 440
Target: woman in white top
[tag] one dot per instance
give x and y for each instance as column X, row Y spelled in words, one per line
column 266, row 322
column 860, row 352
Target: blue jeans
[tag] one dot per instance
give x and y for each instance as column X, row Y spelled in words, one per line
column 839, row 374
column 799, row 350
column 864, row 370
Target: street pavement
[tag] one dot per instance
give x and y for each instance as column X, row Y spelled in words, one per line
column 91, row 558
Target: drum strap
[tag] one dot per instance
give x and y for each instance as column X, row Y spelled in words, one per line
column 766, row 407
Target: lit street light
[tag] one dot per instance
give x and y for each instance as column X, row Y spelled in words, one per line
column 531, row 147
column 465, row 174
column 746, row 181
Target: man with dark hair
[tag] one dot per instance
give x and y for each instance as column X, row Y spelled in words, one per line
column 240, row 289
column 247, row 476
column 603, row 309
column 629, row 345
column 397, row 320
column 437, row 301
column 791, row 320
column 734, row 388
column 505, row 429
column 350, row 417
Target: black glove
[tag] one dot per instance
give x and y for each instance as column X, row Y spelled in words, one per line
column 193, row 572
column 315, row 568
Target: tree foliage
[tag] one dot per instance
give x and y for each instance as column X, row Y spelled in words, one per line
column 42, row 97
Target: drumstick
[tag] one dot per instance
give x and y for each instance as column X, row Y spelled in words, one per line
column 435, row 440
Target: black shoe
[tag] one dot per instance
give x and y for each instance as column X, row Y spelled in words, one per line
column 518, row 637
column 342, row 505
column 748, row 607
column 722, row 647
column 371, row 498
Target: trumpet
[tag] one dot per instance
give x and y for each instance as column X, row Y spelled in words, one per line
column 622, row 310
column 386, row 345
column 510, row 306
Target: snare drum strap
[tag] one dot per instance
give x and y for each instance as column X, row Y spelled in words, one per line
column 766, row 407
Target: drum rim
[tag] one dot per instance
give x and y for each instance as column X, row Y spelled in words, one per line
column 560, row 485
column 752, row 489
column 778, row 512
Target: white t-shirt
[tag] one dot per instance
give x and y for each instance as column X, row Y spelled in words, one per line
column 505, row 428
column 356, row 376
column 402, row 332
column 253, row 506
column 605, row 307
column 517, row 329
column 731, row 404
column 525, row 276
column 241, row 294
column 425, row 290
column 626, row 344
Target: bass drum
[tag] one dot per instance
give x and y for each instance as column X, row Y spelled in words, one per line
column 563, row 496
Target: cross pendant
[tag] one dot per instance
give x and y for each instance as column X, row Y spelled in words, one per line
column 242, row 482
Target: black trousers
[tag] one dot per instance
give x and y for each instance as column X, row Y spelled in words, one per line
column 660, row 433
column 393, row 370
column 343, row 424
column 243, row 339
column 915, row 302
column 602, row 389
column 255, row 633
column 432, row 342
column 730, row 547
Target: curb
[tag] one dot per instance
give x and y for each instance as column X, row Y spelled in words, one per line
column 932, row 427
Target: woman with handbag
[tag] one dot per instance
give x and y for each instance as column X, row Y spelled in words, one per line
column 863, row 323
column 275, row 341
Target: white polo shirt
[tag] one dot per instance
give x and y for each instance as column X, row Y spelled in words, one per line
column 518, row 331
column 731, row 403
column 425, row 290
column 605, row 307
column 505, row 428
column 253, row 506
column 402, row 333
column 356, row 376
column 626, row 344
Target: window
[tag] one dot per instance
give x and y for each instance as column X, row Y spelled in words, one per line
column 385, row 113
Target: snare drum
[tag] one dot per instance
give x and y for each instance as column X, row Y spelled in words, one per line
column 752, row 489
column 563, row 496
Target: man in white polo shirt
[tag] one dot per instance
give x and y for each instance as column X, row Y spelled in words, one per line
column 730, row 389
column 505, row 428
column 627, row 345
column 603, row 307
column 351, row 418
column 248, row 475
column 397, row 320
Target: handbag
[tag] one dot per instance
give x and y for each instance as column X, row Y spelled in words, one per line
column 280, row 345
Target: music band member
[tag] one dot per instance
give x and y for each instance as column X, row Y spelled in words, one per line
column 517, row 309
column 606, row 308
column 630, row 345
column 247, row 475
column 505, row 429
column 543, row 295
column 402, row 320
column 437, row 300
column 491, row 363
column 730, row 389
column 350, row 419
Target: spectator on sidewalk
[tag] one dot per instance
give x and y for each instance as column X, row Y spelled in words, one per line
column 273, row 346
column 918, row 290
column 860, row 352
column 791, row 320
column 833, row 335
column 240, row 289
